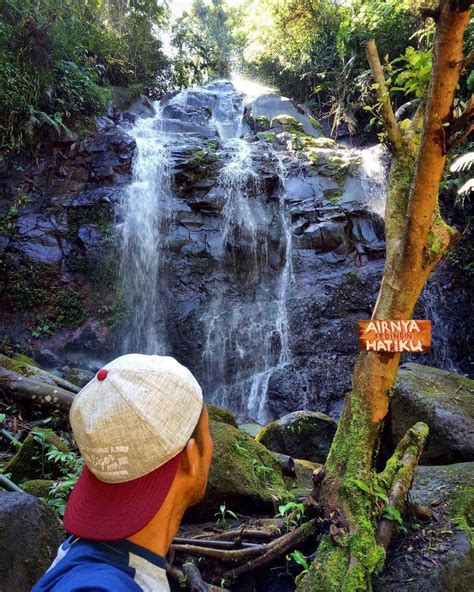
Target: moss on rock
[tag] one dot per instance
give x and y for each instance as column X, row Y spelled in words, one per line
column 30, row 461
column 221, row 414
column 38, row 487
column 288, row 123
column 244, row 475
column 301, row 434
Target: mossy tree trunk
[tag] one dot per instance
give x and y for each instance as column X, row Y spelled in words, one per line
column 417, row 239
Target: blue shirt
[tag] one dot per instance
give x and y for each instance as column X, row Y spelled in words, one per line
column 118, row 566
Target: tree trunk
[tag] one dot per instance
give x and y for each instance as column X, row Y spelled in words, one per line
column 417, row 238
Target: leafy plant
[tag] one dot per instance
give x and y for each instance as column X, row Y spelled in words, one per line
column 299, row 558
column 292, row 512
column 223, row 515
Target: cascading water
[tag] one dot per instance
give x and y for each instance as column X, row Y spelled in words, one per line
column 374, row 177
column 255, row 331
column 144, row 214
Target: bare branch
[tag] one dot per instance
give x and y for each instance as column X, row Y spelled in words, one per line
column 388, row 116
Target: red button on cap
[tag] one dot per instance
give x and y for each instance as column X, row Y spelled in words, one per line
column 102, row 374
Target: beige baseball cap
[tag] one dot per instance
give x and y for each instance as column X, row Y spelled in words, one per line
column 130, row 423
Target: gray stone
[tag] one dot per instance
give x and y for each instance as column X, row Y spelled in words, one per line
column 443, row 400
column 273, row 105
column 30, row 534
column 301, row 434
column 436, row 556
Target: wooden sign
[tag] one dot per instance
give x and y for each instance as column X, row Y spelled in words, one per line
column 394, row 336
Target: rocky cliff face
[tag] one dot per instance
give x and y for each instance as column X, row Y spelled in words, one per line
column 233, row 236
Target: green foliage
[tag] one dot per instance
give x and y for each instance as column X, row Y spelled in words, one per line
column 292, row 512
column 223, row 515
column 204, row 43
column 415, row 74
column 8, row 219
column 58, row 57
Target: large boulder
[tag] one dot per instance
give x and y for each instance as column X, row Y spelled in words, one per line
column 301, row 434
column 244, row 476
column 443, row 400
column 30, row 534
column 436, row 556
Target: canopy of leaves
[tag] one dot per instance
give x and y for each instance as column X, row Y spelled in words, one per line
column 58, row 59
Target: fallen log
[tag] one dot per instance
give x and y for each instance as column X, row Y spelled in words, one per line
column 29, row 371
column 34, row 391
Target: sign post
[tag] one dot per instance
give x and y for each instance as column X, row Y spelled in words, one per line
column 394, row 336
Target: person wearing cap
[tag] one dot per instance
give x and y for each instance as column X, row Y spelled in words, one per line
column 143, row 432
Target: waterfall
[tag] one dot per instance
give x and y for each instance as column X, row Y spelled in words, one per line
column 373, row 176
column 144, row 215
column 255, row 332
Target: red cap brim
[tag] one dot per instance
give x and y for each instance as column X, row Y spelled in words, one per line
column 111, row 511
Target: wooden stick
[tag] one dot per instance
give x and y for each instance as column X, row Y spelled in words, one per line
column 9, row 485
column 390, row 123
column 277, row 548
column 216, row 544
column 232, row 556
column 189, row 578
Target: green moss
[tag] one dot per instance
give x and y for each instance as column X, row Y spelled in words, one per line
column 333, row 195
column 38, row 487
column 20, row 364
column 244, row 474
column 221, row 414
column 30, row 461
column 345, row 563
column 288, row 123
column 267, row 137
column 261, row 123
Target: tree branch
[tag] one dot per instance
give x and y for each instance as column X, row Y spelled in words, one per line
column 388, row 116
column 402, row 480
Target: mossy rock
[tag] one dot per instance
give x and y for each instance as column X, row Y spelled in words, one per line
column 30, row 461
column 287, row 123
column 443, row 400
column 261, row 123
column 267, row 137
column 221, row 414
column 244, row 476
column 336, row 164
column 301, row 434
column 38, row 487
column 439, row 556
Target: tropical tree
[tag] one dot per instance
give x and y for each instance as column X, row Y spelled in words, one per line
column 417, row 238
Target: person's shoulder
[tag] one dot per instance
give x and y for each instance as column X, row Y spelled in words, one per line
column 88, row 577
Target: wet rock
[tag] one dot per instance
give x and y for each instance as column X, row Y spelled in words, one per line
column 301, row 434
column 78, row 376
column 220, row 414
column 30, row 535
column 244, row 475
column 46, row 358
column 437, row 556
column 443, row 400
column 272, row 105
column 30, row 461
